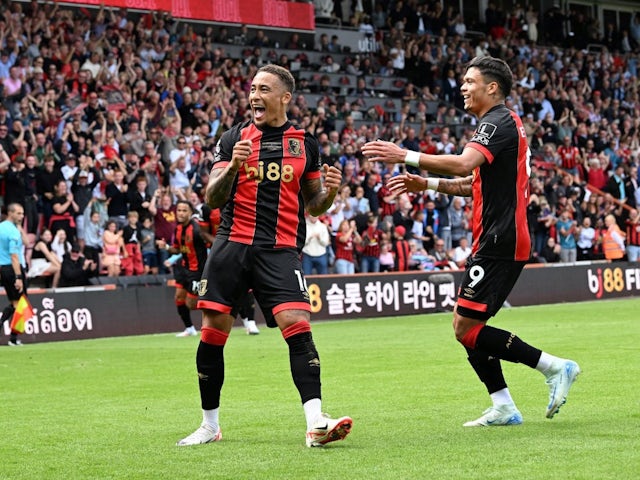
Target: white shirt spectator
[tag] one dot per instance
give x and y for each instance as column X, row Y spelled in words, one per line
column 318, row 238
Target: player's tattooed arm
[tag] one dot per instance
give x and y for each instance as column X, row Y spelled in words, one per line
column 221, row 179
column 411, row 183
column 319, row 198
column 459, row 186
column 219, row 187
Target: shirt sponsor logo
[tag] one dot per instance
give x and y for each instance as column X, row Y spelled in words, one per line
column 484, row 133
column 271, row 146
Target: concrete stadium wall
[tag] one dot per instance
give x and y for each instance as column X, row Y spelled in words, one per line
column 95, row 312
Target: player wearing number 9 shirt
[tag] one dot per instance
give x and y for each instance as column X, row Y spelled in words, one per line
column 497, row 156
column 266, row 173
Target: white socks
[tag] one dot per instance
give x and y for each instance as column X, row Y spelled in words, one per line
column 545, row 362
column 210, row 417
column 312, row 411
column 501, row 397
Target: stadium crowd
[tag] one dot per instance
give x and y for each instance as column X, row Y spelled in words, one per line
column 108, row 118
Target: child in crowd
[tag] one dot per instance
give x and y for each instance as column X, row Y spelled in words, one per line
column 386, row 257
column 149, row 254
column 113, row 249
column 132, row 237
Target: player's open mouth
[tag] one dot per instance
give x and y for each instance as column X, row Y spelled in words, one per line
column 258, row 112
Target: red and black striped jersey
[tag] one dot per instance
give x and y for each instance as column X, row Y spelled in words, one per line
column 190, row 243
column 633, row 233
column 266, row 207
column 501, row 187
column 402, row 255
column 214, row 220
column 202, row 215
column 569, row 155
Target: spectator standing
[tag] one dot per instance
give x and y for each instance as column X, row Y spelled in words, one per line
column 164, row 220
column 314, row 252
column 372, row 238
column 566, row 228
column 64, row 211
column 458, row 221
column 443, row 207
column 633, row 235
column 14, row 187
column 632, row 187
column 402, row 216
column 93, row 233
column 132, row 238
column 30, row 202
column 401, row 249
column 82, row 188
column 613, row 239
column 347, row 238
column 46, row 182
column 499, row 184
column 596, row 168
column 139, row 197
column 118, row 200
column 570, row 156
column 148, row 247
column 359, row 204
column 340, row 209
column 387, row 200
column 585, row 240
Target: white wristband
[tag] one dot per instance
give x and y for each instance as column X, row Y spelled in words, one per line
column 432, row 183
column 412, row 158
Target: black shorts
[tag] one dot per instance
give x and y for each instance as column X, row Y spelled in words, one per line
column 275, row 275
column 485, row 286
column 8, row 281
column 187, row 280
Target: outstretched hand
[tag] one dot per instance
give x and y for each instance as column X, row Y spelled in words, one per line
column 381, row 151
column 407, row 182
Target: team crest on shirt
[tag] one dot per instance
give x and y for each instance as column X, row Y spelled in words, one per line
column 202, row 287
column 483, row 133
column 294, row 147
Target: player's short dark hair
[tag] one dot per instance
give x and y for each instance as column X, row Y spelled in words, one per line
column 185, row 202
column 494, row 70
column 282, row 73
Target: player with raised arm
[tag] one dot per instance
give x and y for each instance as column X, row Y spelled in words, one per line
column 495, row 169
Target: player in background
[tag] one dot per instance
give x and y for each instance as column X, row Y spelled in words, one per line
column 189, row 242
column 495, row 167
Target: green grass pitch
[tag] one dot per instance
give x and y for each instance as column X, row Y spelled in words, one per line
column 114, row 408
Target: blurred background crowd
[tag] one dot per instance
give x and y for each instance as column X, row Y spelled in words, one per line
column 108, row 117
